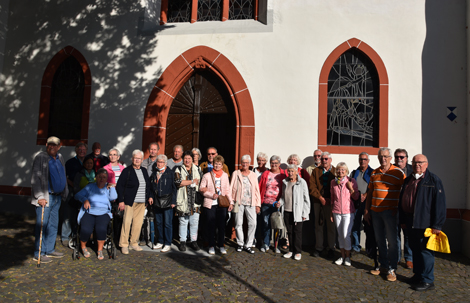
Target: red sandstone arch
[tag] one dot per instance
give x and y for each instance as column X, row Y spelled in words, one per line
column 46, row 87
column 174, row 77
column 323, row 99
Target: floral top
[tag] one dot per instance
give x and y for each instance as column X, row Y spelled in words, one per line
column 246, row 194
column 272, row 188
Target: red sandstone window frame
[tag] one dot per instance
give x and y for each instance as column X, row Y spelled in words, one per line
column 45, row 99
column 323, row 99
column 225, row 6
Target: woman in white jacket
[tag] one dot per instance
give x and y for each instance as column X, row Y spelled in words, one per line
column 296, row 209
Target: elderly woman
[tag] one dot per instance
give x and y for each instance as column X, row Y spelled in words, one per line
column 164, row 192
column 295, row 160
column 188, row 208
column 95, row 212
column 262, row 159
column 343, row 191
column 114, row 168
column 85, row 175
column 270, row 186
column 133, row 190
column 245, row 194
column 216, row 183
column 196, row 156
column 296, row 209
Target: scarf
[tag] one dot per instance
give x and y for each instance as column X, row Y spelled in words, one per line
column 218, row 173
column 90, row 176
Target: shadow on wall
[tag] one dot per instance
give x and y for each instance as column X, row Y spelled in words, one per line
column 120, row 57
column 443, row 76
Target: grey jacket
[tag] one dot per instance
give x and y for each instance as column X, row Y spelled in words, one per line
column 40, row 178
column 300, row 199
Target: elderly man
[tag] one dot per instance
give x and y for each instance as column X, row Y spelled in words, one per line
column 317, row 159
column 100, row 160
column 69, row 214
column 422, row 205
column 208, row 165
column 401, row 161
column 48, row 188
column 320, row 182
column 382, row 204
column 177, row 157
column 362, row 176
column 153, row 153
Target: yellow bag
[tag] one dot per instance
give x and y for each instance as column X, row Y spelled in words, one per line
column 438, row 243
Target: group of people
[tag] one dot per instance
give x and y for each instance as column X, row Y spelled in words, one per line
column 389, row 198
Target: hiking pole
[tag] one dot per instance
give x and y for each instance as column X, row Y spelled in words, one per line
column 40, row 238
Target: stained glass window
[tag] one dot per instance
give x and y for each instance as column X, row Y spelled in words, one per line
column 353, row 102
column 209, row 10
column 240, row 9
column 179, row 11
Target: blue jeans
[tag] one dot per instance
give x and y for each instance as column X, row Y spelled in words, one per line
column 49, row 226
column 356, row 230
column 164, row 220
column 407, row 253
column 265, row 223
column 385, row 229
column 193, row 225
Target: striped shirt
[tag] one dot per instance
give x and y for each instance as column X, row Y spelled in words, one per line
column 117, row 172
column 140, row 196
column 385, row 188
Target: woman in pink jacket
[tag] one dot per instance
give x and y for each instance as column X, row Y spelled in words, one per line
column 343, row 191
column 245, row 193
column 114, row 168
column 213, row 184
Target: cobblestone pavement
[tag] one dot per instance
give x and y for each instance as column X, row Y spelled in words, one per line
column 236, row 277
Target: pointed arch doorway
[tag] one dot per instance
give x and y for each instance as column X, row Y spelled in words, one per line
column 202, row 115
column 216, row 67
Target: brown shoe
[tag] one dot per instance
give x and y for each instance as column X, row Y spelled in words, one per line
column 391, row 276
column 135, row 247
column 409, row 264
column 378, row 271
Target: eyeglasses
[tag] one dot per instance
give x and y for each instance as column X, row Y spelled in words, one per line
column 211, row 154
column 400, row 157
column 363, row 159
column 419, row 162
column 325, row 159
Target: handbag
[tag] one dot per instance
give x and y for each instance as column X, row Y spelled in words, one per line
column 163, row 201
column 222, row 200
column 276, row 220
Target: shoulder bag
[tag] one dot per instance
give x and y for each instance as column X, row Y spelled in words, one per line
column 222, row 200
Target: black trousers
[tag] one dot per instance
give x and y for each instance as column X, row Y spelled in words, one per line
column 294, row 232
column 215, row 219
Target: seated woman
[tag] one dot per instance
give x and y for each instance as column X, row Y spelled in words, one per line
column 164, row 190
column 245, row 193
column 213, row 184
column 188, row 208
column 96, row 211
column 296, row 201
column 85, row 176
column 343, row 191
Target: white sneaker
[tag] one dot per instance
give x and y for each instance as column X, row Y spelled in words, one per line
column 158, row 246
column 222, row 250
column 278, row 251
column 298, row 257
column 211, row 251
column 288, row 255
column 166, row 248
column 339, row 261
column 347, row 262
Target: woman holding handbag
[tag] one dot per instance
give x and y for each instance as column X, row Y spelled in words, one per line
column 164, row 190
column 217, row 201
column 245, row 193
column 343, row 191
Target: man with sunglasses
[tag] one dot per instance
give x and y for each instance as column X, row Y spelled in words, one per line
column 362, row 176
column 208, row 166
column 320, row 182
column 401, row 161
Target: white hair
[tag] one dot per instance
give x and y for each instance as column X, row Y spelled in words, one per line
column 274, row 158
column 245, row 158
column 316, row 151
column 135, row 152
column 383, row 149
column 116, row 150
column 292, row 166
column 262, row 156
column 326, row 154
column 294, row 156
column 343, row 165
column 162, row 157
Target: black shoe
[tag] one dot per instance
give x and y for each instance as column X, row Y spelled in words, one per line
column 316, row 254
column 194, row 246
column 183, row 246
column 249, row 250
column 413, row 280
column 239, row 248
column 423, row 286
column 331, row 254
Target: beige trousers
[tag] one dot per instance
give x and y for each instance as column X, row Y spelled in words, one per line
column 133, row 216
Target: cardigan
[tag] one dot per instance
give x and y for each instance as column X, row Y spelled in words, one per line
column 236, row 188
column 128, row 184
column 341, row 198
column 207, row 182
column 111, row 174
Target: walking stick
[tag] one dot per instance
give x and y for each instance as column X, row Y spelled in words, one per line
column 40, row 238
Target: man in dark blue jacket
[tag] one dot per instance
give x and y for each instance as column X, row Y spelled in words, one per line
column 422, row 205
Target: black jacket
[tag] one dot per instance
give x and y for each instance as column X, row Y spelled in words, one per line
column 166, row 185
column 128, row 184
column 430, row 202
